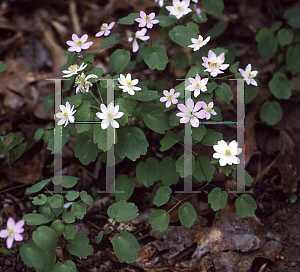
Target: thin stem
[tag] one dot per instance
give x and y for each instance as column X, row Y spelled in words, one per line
column 95, row 97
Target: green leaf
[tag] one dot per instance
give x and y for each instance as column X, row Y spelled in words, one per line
column 109, row 41
column 34, row 219
column 79, row 246
column 250, row 93
column 118, row 60
column 214, row 7
column 69, row 232
column 58, row 227
column 217, row 30
column 49, row 138
column 168, row 140
column 217, row 199
column 100, row 138
column 125, row 185
column 131, row 143
column 83, row 114
column 45, row 238
column 99, row 237
column 182, row 35
column 126, row 247
column 3, row 67
column 87, row 199
column 48, row 102
column 198, row 132
column 155, row 57
column 165, row 21
column 267, row 43
column 10, row 140
column 79, row 210
column 181, row 60
column 89, row 57
column 41, row 199
column 159, row 220
column 85, row 150
column 271, row 112
column 292, row 16
column 68, row 217
column 38, row 134
column 32, row 255
column 245, row 205
column 280, row 86
column 143, row 95
column 16, row 152
column 71, row 196
column 285, row 36
column 204, row 169
column 49, row 263
column 211, row 137
column 148, row 172
column 162, row 196
column 169, row 175
column 187, row 214
column 224, row 92
column 233, row 68
column 293, row 58
column 276, row 26
column 46, row 212
column 67, row 266
column 65, row 181
column 248, row 178
column 124, row 106
column 129, row 19
column 180, row 166
column 123, row 211
column 56, row 201
column 155, row 118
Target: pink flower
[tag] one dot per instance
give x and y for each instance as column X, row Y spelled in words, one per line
column 207, row 109
column 248, row 75
column 170, row 97
column 138, row 35
column 146, row 20
column 190, row 113
column 197, row 85
column 79, row 43
column 105, row 29
column 12, row 232
column 214, row 64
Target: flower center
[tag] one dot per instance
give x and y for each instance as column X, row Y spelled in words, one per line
column 103, row 27
column 250, row 74
column 147, row 18
column 227, row 153
column 73, row 67
column 78, row 42
column 109, row 116
column 197, row 86
column 79, row 79
column 169, row 97
column 11, row 232
column 200, row 40
column 209, row 109
column 64, row 114
column 178, row 7
column 129, row 83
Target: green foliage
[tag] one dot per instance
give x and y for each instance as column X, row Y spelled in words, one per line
column 224, row 92
column 79, row 246
column 271, row 112
column 3, row 67
column 125, row 185
column 85, row 149
column 38, row 186
column 214, row 7
column 162, row 196
column 165, row 21
column 33, row 219
column 217, row 199
column 65, row 181
column 45, row 237
column 182, row 35
column 292, row 16
column 119, row 60
column 148, row 172
column 267, row 43
column 181, row 60
column 156, row 57
column 204, row 170
column 129, row 19
column 280, row 86
column 169, row 175
column 218, row 29
column 187, row 214
column 126, row 247
column 245, row 205
column 122, row 211
column 159, row 220
column 182, row 165
column 109, row 41
column 285, row 36
column 293, row 58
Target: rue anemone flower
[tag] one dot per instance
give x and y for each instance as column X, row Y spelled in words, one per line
column 109, row 115
column 66, row 114
column 214, row 64
column 248, row 75
column 12, row 232
column 77, row 44
column 227, row 153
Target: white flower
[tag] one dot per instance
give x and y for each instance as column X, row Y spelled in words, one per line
column 198, row 43
column 109, row 115
column 190, row 113
column 146, row 20
column 214, row 64
column 74, row 69
column 105, row 29
column 79, row 43
column 138, row 35
column 82, row 82
column 160, row 2
column 248, row 75
column 128, row 84
column 207, row 109
column 66, row 114
column 197, row 85
column 179, row 8
column 170, row 97
column 12, row 232
column 227, row 153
